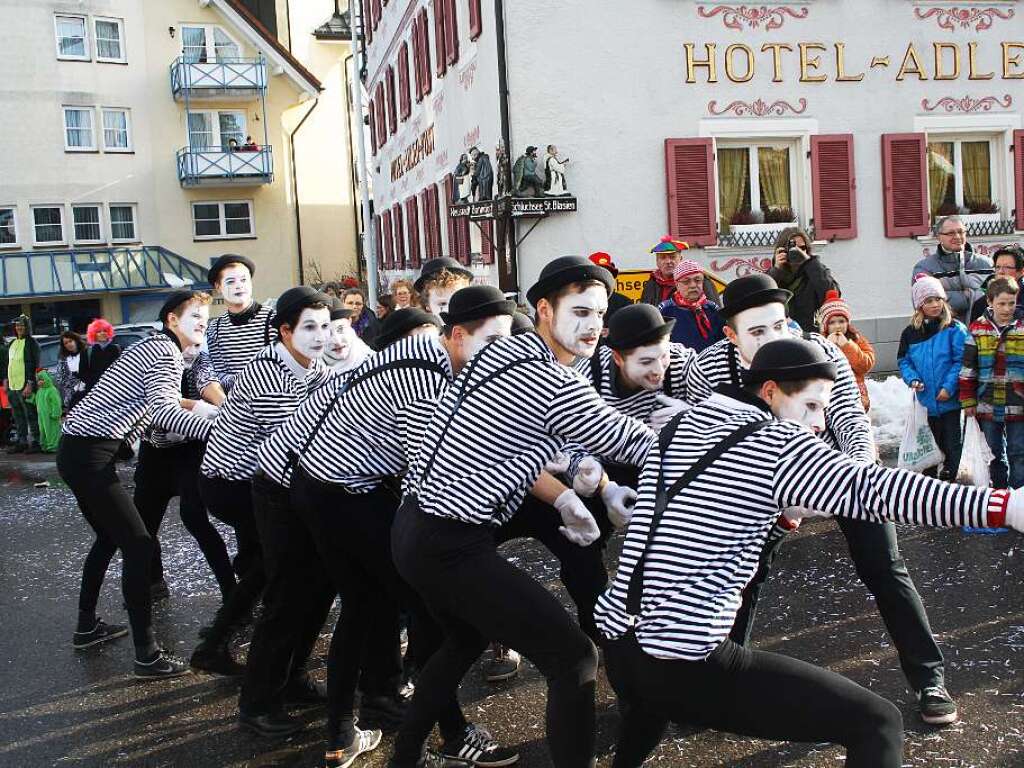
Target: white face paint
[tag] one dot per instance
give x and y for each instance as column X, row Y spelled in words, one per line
column 192, row 323
column 439, row 297
column 340, row 345
column 757, row 326
column 312, row 333
column 645, row 367
column 806, row 407
column 492, row 328
column 236, row 286
column 578, row 320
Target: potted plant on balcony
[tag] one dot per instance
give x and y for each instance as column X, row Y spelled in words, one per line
column 766, row 222
column 979, row 211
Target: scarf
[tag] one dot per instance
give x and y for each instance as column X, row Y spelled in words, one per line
column 667, row 284
column 697, row 307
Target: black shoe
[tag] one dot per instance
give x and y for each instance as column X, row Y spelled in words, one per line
column 216, row 660
column 365, row 741
column 937, row 706
column 159, row 590
column 101, row 633
column 431, row 759
column 164, row 665
column 477, row 747
column 384, row 712
column 17, row 448
column 304, row 691
column 276, row 725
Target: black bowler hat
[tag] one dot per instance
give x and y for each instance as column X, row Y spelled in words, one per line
column 433, row 266
column 227, row 259
column 300, row 297
column 174, row 300
column 637, row 325
column 789, row 360
column 400, row 322
column 521, row 324
column 754, row 290
column 338, row 309
column 566, row 270
column 476, row 302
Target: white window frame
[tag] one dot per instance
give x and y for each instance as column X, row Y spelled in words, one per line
column 754, row 172
column 123, row 59
column 85, row 36
column 211, row 42
column 127, row 125
column 17, row 239
column 63, row 225
column 223, row 223
column 994, row 141
column 99, row 223
column 217, row 140
column 135, row 222
column 92, row 127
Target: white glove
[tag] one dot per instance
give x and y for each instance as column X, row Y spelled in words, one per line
column 1015, row 510
column 588, row 476
column 580, row 527
column 662, row 416
column 558, row 465
column 797, row 514
column 205, row 410
column 619, row 501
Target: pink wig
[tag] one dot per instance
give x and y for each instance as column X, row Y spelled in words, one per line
column 97, row 325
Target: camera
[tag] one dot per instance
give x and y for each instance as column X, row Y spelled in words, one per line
column 795, row 255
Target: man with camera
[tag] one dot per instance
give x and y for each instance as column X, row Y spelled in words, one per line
column 800, row 272
column 956, row 266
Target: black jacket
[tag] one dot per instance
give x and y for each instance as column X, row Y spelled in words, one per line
column 95, row 361
column 31, row 355
column 809, row 284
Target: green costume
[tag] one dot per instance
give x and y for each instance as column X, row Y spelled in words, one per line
column 49, row 408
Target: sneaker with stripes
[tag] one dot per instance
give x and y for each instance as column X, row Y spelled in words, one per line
column 477, row 746
column 365, row 741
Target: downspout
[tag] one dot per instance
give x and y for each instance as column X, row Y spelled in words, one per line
column 295, row 190
column 353, row 170
column 369, row 242
column 509, row 280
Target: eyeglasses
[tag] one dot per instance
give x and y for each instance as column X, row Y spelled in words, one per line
column 956, row 232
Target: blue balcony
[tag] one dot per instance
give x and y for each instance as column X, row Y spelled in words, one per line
column 98, row 270
column 223, row 80
column 215, row 167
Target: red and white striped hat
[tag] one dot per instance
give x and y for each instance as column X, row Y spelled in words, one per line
column 685, row 268
column 834, row 306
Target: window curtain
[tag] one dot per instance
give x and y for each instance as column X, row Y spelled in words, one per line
column 122, row 222
column 200, row 130
column 224, row 46
column 115, row 130
column 940, row 175
column 79, row 126
column 108, row 40
column 773, row 169
column 733, row 183
column 232, row 126
column 977, row 173
column 193, row 44
column 72, row 37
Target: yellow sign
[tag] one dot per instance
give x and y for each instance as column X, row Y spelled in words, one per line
column 630, row 283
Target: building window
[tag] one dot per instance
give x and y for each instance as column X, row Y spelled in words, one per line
column 71, row 39
column 109, row 40
column 48, row 224
column 122, row 224
column 8, row 227
column 756, row 184
column 78, row 135
column 116, row 136
column 207, row 44
column 961, row 174
column 210, row 130
column 222, row 220
column 86, row 220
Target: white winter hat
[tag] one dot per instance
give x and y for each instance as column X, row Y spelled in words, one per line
column 926, row 287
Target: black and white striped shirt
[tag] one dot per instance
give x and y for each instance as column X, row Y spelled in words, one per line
column 847, row 427
column 231, row 344
column 518, row 406
column 266, row 392
column 161, row 438
column 707, row 544
column 377, row 424
column 141, row 387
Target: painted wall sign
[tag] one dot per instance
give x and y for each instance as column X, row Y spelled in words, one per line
column 421, row 148
column 630, row 282
column 542, row 206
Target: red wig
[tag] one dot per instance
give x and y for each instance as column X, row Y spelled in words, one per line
column 97, row 325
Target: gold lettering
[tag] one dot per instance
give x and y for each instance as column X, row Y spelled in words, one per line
column 972, row 49
column 912, row 56
column 729, row 72
column 1012, row 61
column 809, row 63
column 708, row 63
column 776, row 49
column 940, row 48
column 841, row 76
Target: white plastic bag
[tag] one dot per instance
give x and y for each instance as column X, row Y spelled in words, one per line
column 976, row 457
column 918, row 451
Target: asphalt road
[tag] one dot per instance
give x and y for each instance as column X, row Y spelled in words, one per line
column 59, row 707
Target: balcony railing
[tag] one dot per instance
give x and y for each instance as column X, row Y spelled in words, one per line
column 222, row 79
column 215, row 167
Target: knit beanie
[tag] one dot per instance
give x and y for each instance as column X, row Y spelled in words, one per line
column 833, row 306
column 926, row 287
column 685, row 268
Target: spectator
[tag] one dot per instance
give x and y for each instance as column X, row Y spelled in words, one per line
column 991, row 379
column 956, row 267
column 834, row 323
column 404, row 294
column 6, row 417
column 930, row 356
column 250, row 145
column 49, row 410
column 385, row 306
column 799, row 271
column 102, row 352
column 364, row 321
column 698, row 322
column 1007, row 262
column 617, row 300
column 660, row 286
column 20, row 380
column 72, row 359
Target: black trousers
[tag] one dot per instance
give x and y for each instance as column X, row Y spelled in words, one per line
column 946, row 429
column 160, row 475
column 478, row 596
column 351, row 532
column 876, row 556
column 87, row 465
column 751, row 693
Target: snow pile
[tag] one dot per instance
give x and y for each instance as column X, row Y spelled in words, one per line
column 890, row 404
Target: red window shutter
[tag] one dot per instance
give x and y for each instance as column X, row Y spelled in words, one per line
column 487, row 241
column 436, row 247
column 428, row 76
column 397, row 218
column 1018, row 167
column 449, row 195
column 375, row 5
column 476, row 24
column 834, row 187
column 389, row 81
column 451, row 31
column 412, row 228
column 905, row 182
column 417, row 52
column 692, row 193
column 366, row 20
column 382, row 117
column 389, row 242
column 428, row 251
column 380, row 239
column 441, row 63
column 404, row 100
column 373, row 127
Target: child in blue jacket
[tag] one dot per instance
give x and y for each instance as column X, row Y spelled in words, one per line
column 930, row 357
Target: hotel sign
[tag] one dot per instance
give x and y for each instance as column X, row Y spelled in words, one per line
column 422, row 148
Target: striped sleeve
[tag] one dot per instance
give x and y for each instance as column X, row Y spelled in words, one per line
column 705, row 372
column 203, row 371
column 848, row 425
column 163, row 397
column 968, row 383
